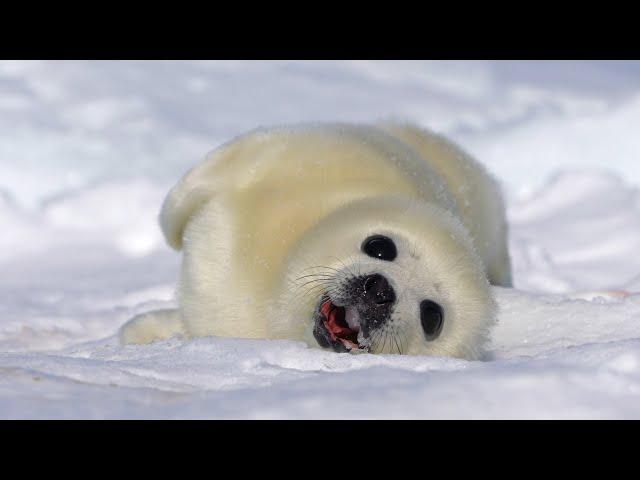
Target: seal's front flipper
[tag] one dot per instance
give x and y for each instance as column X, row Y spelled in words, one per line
column 151, row 326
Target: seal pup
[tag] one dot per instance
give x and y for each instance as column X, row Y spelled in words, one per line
column 356, row 238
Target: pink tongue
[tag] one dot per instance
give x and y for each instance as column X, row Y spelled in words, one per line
column 337, row 331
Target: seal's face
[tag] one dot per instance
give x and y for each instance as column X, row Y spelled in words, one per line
column 385, row 276
column 357, row 314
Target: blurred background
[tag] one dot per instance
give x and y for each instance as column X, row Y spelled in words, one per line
column 69, row 124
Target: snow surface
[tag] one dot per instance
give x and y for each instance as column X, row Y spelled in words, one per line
column 89, row 149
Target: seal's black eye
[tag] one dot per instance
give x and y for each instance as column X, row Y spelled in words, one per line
column 431, row 318
column 379, row 246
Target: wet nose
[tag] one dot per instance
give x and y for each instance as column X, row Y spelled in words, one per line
column 378, row 290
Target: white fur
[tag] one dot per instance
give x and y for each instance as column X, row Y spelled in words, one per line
column 264, row 212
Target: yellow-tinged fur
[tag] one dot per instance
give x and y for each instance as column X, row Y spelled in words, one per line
column 264, row 212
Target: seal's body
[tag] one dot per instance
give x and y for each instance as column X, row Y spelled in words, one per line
column 382, row 239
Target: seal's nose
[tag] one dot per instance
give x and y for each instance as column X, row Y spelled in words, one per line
column 378, row 290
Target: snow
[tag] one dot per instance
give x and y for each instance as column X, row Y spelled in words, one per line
column 89, row 149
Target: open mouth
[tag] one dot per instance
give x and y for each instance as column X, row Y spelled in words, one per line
column 339, row 328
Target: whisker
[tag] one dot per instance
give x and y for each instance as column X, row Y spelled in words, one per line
column 321, row 266
column 386, row 334
column 319, row 275
column 396, row 342
column 308, row 282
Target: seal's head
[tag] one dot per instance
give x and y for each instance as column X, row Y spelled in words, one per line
column 387, row 275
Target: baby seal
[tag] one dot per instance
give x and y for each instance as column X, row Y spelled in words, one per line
column 380, row 239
